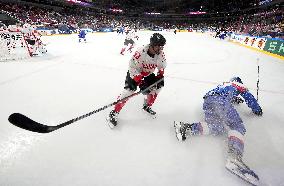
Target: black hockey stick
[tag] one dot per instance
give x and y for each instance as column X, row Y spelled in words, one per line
column 26, row 123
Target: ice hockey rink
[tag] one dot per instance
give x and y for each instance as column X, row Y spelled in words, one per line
column 74, row 78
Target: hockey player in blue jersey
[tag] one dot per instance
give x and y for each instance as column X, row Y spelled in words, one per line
column 222, row 118
column 82, row 35
column 120, row 30
column 223, row 35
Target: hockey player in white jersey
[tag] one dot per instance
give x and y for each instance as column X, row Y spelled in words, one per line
column 15, row 28
column 2, row 26
column 129, row 42
column 222, row 118
column 33, row 38
column 146, row 67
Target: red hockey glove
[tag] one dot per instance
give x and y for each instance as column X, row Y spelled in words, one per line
column 144, row 74
column 160, row 74
column 138, row 79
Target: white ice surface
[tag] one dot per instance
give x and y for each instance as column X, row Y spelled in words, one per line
column 75, row 78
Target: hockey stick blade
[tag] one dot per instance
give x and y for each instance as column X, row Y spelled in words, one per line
column 26, row 123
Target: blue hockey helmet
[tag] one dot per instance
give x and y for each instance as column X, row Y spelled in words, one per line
column 236, row 79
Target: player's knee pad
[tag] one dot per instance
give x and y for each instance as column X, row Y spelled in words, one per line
column 204, row 128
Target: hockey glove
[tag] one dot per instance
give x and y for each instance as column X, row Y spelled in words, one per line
column 148, row 81
column 259, row 112
column 138, row 79
column 237, row 100
column 132, row 83
column 161, row 83
column 160, row 76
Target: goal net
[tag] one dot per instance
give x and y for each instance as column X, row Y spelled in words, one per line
column 13, row 46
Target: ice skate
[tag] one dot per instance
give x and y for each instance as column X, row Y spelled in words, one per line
column 236, row 166
column 149, row 111
column 112, row 119
column 180, row 130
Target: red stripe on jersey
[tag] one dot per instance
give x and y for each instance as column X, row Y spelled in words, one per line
column 239, row 88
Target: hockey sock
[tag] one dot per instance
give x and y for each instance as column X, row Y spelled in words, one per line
column 236, row 142
column 119, row 105
column 200, row 128
column 151, row 99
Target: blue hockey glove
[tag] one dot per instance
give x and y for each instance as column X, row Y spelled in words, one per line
column 259, row 112
column 237, row 100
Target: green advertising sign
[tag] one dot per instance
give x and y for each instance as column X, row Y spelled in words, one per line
column 275, row 46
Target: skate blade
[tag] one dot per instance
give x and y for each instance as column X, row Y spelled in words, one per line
column 150, row 115
column 111, row 126
column 247, row 177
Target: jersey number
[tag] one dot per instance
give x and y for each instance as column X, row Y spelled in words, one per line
column 137, row 55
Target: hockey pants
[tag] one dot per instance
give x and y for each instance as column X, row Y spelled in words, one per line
column 220, row 118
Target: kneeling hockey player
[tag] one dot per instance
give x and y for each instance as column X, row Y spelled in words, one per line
column 221, row 117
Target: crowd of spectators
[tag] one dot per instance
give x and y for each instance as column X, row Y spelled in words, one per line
column 266, row 21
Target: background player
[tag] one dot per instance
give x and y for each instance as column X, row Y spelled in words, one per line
column 33, row 38
column 129, row 42
column 82, row 35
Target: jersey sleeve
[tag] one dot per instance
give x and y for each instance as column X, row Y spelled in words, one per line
column 162, row 64
column 135, row 63
column 248, row 97
column 251, row 101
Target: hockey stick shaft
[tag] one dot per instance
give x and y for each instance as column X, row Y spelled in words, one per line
column 26, row 123
column 257, row 83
